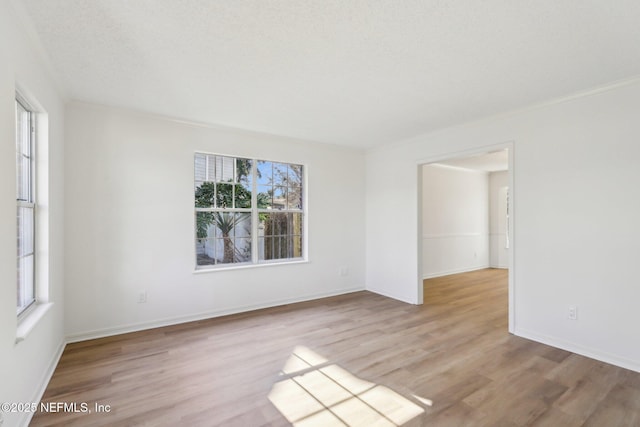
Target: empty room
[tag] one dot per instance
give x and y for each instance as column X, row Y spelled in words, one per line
column 273, row 213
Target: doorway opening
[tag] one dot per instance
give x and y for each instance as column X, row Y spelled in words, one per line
column 466, row 216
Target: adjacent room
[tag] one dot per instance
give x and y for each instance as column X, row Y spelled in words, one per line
column 253, row 213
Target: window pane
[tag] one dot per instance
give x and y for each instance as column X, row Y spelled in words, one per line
column 26, row 293
column 200, row 167
column 224, row 195
column 275, row 224
column 205, row 251
column 265, row 197
column 294, row 198
column 243, row 249
column 21, row 193
column 22, row 130
column 267, row 250
column 296, row 248
column 277, row 247
column 243, row 171
column 224, row 249
column 211, row 168
column 25, row 180
column 243, row 196
column 295, row 176
column 243, row 190
column 233, row 229
column 295, row 226
column 280, row 171
column 23, row 154
column 204, row 220
column 223, row 237
column 225, row 169
column 279, row 198
column 265, row 172
column 282, row 233
column 25, row 231
column 204, row 195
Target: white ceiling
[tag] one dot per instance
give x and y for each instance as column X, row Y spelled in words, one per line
column 353, row 72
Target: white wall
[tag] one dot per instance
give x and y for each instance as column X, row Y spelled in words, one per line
column 577, row 205
column 498, row 186
column 455, row 220
column 25, row 367
column 129, row 200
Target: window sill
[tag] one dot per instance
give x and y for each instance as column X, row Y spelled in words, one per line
column 248, row 266
column 26, row 325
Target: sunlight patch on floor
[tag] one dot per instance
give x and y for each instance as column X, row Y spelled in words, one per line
column 318, row 393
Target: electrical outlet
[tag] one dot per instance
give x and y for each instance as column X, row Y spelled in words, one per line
column 573, row 312
column 344, row 271
column 142, row 297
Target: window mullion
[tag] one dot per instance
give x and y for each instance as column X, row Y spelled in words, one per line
column 254, row 212
column 33, row 188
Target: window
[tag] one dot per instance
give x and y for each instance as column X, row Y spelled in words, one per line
column 26, row 207
column 247, row 211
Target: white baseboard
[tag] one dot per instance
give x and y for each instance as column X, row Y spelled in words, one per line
column 456, row 271
column 395, row 297
column 134, row 327
column 596, row 354
column 44, row 382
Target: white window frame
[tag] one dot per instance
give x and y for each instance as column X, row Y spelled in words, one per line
column 39, row 305
column 255, row 212
column 24, row 307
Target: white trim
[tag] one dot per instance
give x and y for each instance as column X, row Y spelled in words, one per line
column 577, row 95
column 455, row 271
column 499, row 266
column 512, row 236
column 135, row 327
column 395, row 297
column 449, row 235
column 460, row 168
column 255, row 216
column 245, row 265
column 419, row 232
column 143, row 114
column 30, row 320
column 470, row 152
column 573, row 347
column 508, row 113
column 44, row 382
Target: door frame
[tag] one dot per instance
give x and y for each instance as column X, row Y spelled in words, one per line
column 510, row 146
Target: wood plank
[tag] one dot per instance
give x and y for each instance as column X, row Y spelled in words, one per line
column 451, row 358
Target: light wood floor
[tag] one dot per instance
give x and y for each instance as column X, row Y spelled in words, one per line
column 360, row 358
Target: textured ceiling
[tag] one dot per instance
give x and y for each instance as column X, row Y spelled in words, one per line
column 352, row 72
